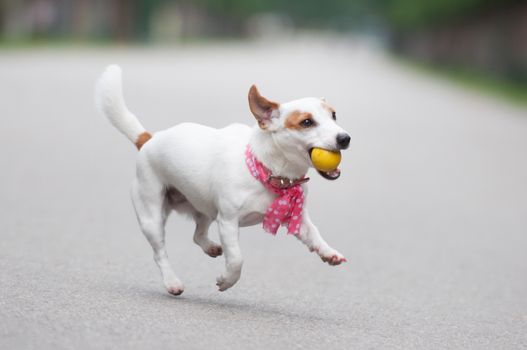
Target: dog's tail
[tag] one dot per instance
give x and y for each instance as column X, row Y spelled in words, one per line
column 109, row 101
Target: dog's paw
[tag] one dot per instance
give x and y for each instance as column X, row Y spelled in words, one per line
column 225, row 283
column 214, row 250
column 175, row 290
column 174, row 286
column 332, row 257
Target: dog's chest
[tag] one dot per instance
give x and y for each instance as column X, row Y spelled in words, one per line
column 251, row 219
column 255, row 207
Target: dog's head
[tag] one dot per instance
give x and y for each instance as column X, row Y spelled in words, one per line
column 299, row 126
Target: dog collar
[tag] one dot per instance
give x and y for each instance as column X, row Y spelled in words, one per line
column 286, row 209
column 262, row 173
column 284, row 182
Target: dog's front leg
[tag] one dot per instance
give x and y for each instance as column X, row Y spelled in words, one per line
column 310, row 236
column 229, row 234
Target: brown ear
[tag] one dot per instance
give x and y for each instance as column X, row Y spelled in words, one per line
column 261, row 107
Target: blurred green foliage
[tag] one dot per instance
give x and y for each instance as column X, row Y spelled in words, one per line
column 415, row 14
column 313, row 12
column 396, row 14
column 385, row 15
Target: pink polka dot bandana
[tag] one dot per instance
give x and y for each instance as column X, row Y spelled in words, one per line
column 286, row 209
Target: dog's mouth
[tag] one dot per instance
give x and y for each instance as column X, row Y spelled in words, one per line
column 328, row 175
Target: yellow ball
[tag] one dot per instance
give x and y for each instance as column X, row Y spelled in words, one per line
column 325, row 160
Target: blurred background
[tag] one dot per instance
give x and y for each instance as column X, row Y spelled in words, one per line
column 430, row 209
column 479, row 41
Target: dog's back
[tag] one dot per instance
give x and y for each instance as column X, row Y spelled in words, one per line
column 201, row 153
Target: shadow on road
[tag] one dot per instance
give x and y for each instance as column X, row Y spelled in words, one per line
column 212, row 305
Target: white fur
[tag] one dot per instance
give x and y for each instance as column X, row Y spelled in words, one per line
column 201, row 171
column 109, row 101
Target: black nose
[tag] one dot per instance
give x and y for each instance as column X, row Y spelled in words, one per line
column 343, row 140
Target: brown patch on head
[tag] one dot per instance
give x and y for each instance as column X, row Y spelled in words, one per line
column 142, row 139
column 261, row 107
column 295, row 118
column 327, row 107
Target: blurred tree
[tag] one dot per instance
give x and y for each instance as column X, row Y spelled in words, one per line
column 145, row 10
column 415, row 14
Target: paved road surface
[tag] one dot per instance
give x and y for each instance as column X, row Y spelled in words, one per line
column 431, row 209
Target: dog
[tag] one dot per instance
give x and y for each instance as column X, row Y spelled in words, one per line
column 212, row 174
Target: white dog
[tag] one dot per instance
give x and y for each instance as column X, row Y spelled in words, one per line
column 213, row 174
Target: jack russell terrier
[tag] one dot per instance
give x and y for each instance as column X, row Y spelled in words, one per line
column 237, row 176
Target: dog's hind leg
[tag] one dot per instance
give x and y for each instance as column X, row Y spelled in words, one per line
column 201, row 235
column 152, row 209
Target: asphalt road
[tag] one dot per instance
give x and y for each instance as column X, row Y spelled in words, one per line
column 430, row 210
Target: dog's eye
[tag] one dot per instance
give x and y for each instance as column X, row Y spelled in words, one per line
column 306, row 123
column 334, row 115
